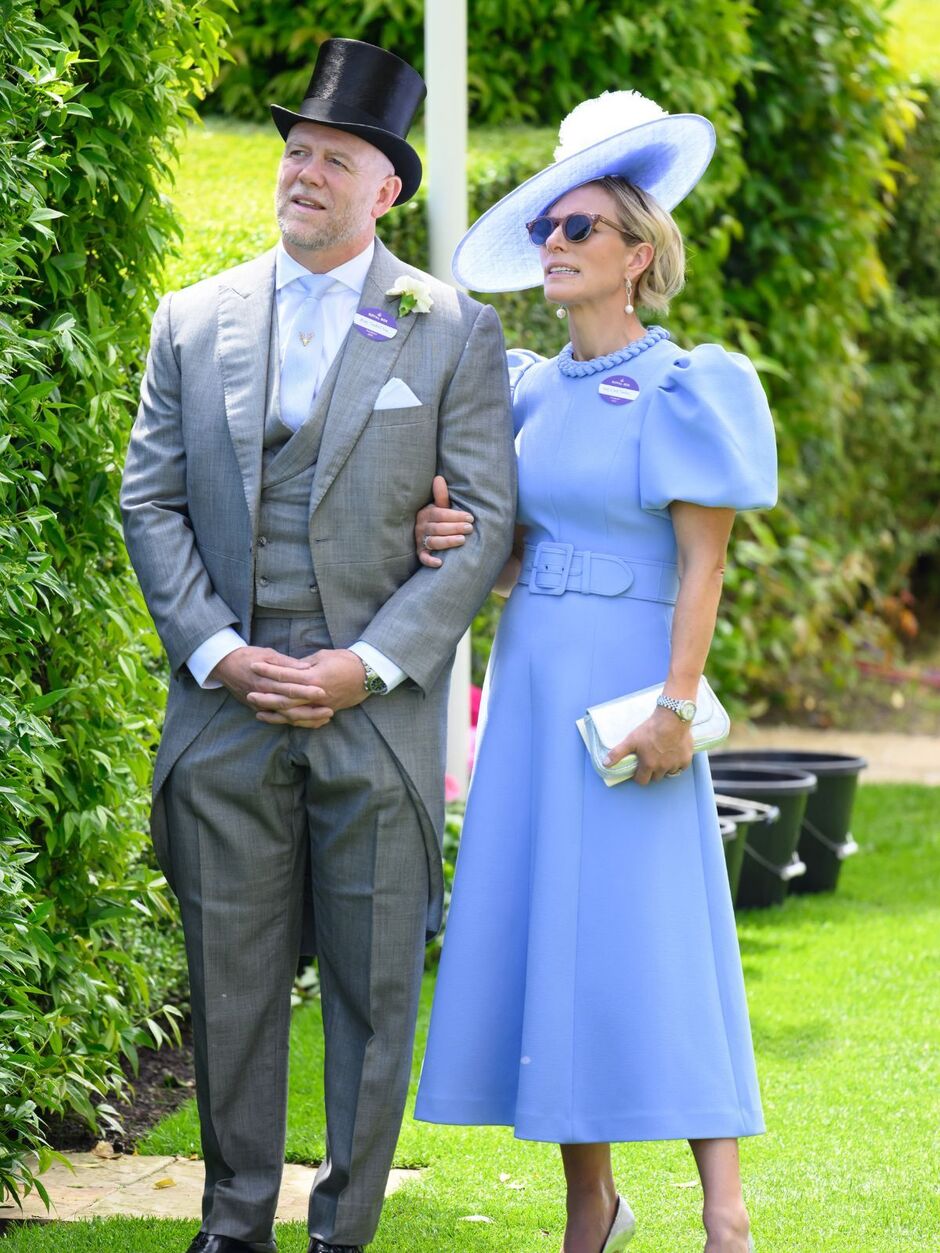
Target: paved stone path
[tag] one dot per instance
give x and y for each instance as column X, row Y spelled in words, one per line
column 159, row 1187
column 891, row 757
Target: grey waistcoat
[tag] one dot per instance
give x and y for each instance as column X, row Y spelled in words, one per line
column 284, row 574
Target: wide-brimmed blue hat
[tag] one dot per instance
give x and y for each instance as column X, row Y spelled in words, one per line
column 620, row 133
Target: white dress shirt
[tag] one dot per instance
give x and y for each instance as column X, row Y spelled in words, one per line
column 339, row 304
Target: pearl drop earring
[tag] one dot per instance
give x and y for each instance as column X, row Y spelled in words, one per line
column 561, row 313
column 628, row 307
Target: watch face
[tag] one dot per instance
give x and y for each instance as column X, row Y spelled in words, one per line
column 686, row 710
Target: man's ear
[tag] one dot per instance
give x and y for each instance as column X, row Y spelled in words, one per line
column 387, row 194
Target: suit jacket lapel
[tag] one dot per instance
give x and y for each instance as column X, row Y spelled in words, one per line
column 366, row 366
column 246, row 306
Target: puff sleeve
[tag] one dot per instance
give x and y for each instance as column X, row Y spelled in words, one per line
column 708, row 437
column 519, row 361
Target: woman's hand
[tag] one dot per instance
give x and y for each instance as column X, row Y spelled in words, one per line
column 438, row 527
column 663, row 746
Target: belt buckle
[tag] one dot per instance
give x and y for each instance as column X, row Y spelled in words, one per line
column 544, row 566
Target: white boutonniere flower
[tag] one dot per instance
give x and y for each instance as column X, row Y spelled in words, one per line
column 415, row 295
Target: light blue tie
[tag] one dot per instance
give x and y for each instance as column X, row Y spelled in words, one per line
column 303, row 352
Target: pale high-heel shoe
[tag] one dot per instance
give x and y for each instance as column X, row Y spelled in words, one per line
column 622, row 1228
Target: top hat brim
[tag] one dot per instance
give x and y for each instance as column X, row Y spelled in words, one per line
column 403, row 157
column 665, row 158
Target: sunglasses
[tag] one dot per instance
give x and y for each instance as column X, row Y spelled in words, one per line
column 577, row 227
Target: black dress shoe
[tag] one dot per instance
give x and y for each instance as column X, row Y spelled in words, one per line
column 320, row 1246
column 206, row 1243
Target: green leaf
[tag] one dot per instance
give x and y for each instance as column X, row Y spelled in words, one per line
column 39, row 703
column 44, row 214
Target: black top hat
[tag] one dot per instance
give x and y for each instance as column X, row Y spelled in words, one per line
column 369, row 92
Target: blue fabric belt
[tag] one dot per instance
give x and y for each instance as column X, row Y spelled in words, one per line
column 550, row 569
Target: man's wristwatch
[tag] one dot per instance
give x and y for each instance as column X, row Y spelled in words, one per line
column 683, row 709
column 374, row 684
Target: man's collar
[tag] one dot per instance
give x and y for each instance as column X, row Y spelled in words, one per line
column 351, row 274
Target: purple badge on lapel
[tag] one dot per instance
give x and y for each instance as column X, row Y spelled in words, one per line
column 618, row 389
column 375, row 324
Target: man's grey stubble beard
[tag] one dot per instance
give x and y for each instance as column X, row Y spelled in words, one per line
column 334, row 231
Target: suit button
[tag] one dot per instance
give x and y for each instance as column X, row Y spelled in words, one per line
column 312, row 587
column 263, row 581
column 262, row 541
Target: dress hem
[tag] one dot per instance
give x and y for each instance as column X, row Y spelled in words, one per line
column 608, row 1129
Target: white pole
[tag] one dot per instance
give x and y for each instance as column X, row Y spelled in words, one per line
column 445, row 123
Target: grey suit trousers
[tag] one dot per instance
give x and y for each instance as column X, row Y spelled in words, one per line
column 250, row 807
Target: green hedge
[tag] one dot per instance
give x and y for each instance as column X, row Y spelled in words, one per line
column 822, row 108
column 896, row 459
column 526, row 62
column 92, row 98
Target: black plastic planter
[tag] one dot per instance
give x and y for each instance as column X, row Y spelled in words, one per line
column 732, row 838
column 740, row 814
column 825, row 836
column 770, row 859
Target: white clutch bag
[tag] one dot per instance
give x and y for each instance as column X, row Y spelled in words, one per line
column 605, row 725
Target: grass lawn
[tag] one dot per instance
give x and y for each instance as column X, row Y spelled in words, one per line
column 224, row 198
column 845, row 1005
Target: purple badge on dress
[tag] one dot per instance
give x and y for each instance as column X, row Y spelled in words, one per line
column 375, row 324
column 618, row 389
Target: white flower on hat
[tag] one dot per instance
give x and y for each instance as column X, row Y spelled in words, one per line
column 608, row 114
column 415, row 295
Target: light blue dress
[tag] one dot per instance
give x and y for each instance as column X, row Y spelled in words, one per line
column 590, row 986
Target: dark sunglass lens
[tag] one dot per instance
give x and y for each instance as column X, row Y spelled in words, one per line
column 540, row 229
column 577, row 227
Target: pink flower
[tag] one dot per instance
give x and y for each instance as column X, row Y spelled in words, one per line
column 452, row 790
column 476, row 694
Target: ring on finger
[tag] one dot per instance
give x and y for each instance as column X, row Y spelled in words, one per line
column 671, row 774
column 426, row 542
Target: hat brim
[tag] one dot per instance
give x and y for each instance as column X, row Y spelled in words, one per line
column 665, row 158
column 403, row 157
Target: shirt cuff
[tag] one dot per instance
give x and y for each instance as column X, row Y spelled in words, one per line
column 204, row 659
column 390, row 674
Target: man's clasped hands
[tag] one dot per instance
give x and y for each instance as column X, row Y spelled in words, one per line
column 299, row 691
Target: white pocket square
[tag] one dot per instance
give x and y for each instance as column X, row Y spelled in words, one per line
column 396, row 394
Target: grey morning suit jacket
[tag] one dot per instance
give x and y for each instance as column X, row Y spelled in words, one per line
column 192, row 483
